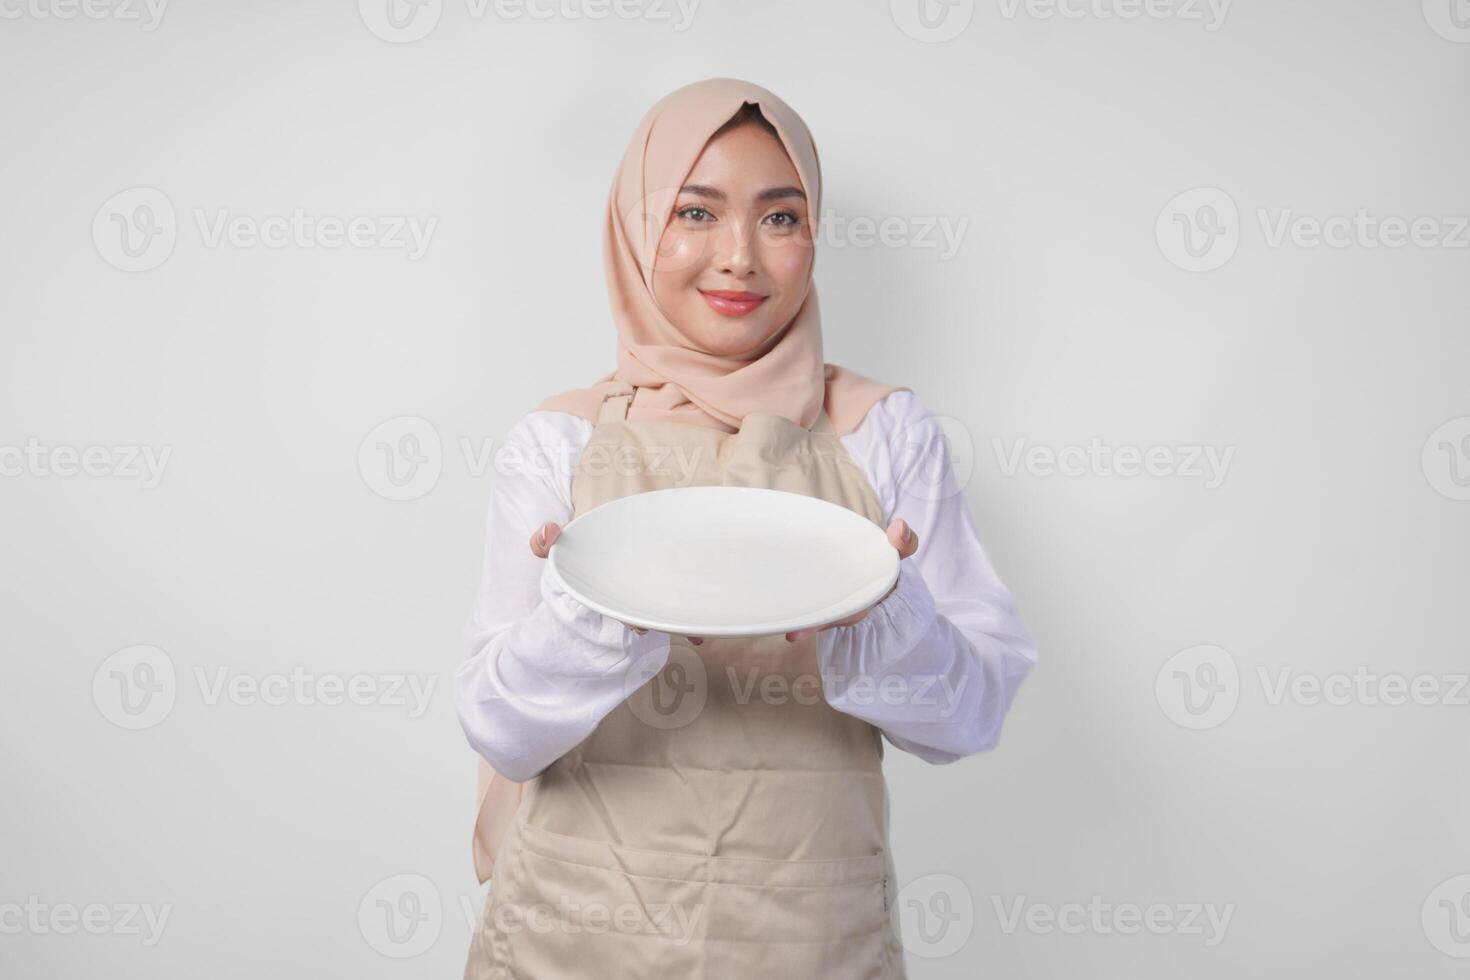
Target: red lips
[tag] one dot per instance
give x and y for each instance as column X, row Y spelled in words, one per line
column 730, row 302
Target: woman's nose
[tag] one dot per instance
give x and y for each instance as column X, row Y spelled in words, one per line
column 737, row 252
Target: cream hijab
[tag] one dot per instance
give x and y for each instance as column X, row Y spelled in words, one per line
column 676, row 381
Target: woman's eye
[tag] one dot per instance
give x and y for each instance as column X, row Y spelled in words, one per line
column 692, row 210
column 791, row 220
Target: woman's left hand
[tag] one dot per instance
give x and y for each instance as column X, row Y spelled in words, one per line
column 902, row 537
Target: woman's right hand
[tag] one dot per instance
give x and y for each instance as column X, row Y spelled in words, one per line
column 541, row 543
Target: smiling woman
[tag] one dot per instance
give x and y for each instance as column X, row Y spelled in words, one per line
column 734, row 778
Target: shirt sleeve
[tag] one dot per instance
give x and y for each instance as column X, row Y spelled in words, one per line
column 937, row 663
column 542, row 669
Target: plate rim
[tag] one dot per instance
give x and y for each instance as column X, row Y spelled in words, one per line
column 859, row 599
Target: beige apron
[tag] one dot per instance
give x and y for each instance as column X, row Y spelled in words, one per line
column 725, row 821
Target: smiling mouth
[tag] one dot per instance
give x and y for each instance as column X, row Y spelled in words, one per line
column 729, row 302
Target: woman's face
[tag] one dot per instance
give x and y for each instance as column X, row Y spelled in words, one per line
column 734, row 260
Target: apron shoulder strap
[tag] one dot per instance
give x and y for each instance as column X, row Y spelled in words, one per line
column 615, row 407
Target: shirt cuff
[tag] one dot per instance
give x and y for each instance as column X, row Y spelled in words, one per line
column 887, row 633
column 568, row 647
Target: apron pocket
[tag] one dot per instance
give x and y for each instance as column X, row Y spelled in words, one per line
column 586, row 908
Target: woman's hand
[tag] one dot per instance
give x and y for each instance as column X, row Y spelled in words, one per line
column 541, row 543
column 902, row 537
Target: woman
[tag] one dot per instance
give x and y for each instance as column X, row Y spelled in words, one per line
column 718, row 811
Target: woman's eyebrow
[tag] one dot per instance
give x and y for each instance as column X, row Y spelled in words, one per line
column 715, row 194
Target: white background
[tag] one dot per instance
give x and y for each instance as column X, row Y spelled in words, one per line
column 1059, row 139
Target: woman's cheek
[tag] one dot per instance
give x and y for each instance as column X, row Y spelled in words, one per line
column 789, row 257
column 680, row 253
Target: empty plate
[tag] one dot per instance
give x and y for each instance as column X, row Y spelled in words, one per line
column 724, row 561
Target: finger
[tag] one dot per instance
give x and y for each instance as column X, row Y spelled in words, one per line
column 903, row 537
column 544, row 538
column 795, row 635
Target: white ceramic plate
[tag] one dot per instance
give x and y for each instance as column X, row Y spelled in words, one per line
column 724, row 561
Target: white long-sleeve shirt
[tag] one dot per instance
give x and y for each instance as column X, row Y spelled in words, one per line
column 935, row 665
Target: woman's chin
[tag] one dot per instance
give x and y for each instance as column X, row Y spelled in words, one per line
column 730, row 337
